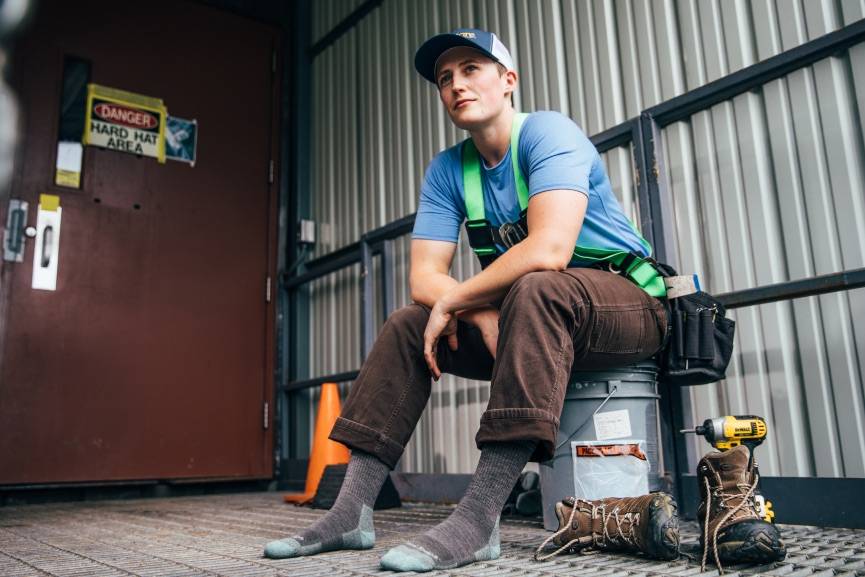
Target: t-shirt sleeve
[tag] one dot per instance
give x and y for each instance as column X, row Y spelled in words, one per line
column 439, row 214
column 555, row 154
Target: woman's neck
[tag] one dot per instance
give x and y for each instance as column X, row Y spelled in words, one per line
column 493, row 139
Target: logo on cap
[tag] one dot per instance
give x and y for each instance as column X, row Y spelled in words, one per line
column 466, row 34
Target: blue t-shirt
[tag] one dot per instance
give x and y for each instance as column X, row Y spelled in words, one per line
column 554, row 154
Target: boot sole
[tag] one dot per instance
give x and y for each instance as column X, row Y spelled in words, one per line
column 744, row 543
column 662, row 537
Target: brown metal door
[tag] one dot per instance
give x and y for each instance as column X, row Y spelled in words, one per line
column 152, row 358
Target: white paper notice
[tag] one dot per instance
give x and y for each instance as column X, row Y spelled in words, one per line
column 612, row 425
column 69, row 156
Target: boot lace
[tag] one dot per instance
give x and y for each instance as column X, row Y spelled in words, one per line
column 724, row 498
column 619, row 536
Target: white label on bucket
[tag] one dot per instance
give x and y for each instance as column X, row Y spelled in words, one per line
column 612, row 425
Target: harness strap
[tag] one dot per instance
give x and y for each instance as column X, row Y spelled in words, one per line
column 483, row 237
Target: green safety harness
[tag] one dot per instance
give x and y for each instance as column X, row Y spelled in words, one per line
column 483, row 236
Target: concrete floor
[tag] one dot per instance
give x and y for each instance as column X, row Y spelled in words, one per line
column 224, row 535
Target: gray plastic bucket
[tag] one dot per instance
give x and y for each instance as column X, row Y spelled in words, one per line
column 634, row 388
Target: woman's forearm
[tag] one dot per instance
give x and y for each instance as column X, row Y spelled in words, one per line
column 493, row 283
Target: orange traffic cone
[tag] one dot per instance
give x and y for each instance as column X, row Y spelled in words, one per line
column 324, row 451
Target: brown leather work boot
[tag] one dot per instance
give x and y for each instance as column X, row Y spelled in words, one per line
column 731, row 527
column 646, row 524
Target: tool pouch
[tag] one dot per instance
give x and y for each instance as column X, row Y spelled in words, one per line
column 700, row 338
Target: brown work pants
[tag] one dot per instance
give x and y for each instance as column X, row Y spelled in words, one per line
column 550, row 323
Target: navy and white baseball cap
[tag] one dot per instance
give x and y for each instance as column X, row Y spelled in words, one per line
column 487, row 43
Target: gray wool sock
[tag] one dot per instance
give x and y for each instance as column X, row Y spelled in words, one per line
column 348, row 524
column 471, row 533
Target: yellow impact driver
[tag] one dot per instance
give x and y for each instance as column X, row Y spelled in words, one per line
column 730, row 431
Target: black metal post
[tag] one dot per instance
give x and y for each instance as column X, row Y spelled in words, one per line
column 367, row 318
column 660, row 203
column 657, row 225
column 642, row 165
column 388, row 283
column 292, row 410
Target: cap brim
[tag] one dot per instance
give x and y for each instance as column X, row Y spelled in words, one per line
column 428, row 54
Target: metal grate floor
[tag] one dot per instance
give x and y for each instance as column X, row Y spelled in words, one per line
column 224, row 535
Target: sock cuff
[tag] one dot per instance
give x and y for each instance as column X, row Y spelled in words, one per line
column 497, row 472
column 364, row 478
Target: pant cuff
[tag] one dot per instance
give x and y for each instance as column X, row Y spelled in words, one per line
column 507, row 425
column 357, row 436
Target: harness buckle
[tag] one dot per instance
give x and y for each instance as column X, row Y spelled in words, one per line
column 511, row 234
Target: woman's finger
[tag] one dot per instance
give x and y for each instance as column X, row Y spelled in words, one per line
column 429, row 356
column 433, row 367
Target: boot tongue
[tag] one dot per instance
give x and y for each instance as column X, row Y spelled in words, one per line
column 580, row 524
column 579, row 520
column 732, row 466
column 563, row 512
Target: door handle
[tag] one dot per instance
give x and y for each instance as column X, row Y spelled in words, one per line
column 47, row 245
column 16, row 229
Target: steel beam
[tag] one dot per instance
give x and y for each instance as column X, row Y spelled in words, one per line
column 324, row 265
column 395, row 229
column 318, row 381
column 614, row 137
column 845, row 280
column 347, row 24
column 756, row 75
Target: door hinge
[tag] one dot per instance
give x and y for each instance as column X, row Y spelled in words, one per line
column 266, row 414
column 267, row 290
column 270, row 169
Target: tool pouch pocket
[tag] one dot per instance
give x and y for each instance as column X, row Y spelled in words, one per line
column 700, row 339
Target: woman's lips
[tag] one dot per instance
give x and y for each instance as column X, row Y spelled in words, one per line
column 460, row 103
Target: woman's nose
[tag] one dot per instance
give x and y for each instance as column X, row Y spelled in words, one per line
column 458, row 84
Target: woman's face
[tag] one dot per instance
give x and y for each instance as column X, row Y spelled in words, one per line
column 474, row 88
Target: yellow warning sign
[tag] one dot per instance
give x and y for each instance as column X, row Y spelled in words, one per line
column 125, row 121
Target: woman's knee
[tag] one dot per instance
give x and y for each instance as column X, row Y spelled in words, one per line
column 534, row 287
column 410, row 318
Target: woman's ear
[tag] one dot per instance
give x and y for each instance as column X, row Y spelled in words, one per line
column 511, row 80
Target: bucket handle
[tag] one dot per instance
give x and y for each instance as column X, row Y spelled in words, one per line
column 613, row 389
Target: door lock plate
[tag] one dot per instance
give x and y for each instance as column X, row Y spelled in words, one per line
column 14, row 233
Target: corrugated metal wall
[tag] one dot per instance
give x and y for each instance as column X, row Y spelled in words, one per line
column 767, row 187
column 770, row 187
column 328, row 14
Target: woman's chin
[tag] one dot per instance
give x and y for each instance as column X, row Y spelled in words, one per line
column 468, row 119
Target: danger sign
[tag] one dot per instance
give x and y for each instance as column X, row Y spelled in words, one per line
column 125, row 121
